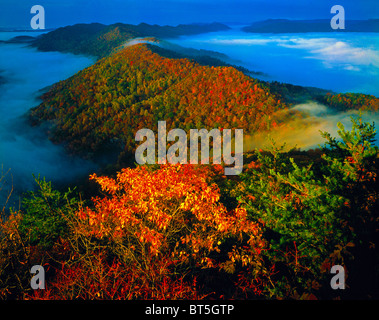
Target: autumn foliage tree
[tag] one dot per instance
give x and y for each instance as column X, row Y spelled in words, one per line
column 164, row 232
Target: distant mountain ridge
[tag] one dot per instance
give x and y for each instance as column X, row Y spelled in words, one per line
column 100, row 40
column 320, row 25
column 19, row 39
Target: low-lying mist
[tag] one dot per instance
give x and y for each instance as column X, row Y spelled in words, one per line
column 304, row 132
column 25, row 150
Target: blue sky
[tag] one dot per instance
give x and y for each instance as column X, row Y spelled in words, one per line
column 16, row 13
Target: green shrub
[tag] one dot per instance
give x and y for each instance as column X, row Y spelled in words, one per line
column 314, row 215
column 44, row 211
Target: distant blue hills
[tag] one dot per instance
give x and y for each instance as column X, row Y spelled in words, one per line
column 319, row 25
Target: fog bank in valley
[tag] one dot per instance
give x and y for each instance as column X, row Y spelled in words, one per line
column 25, row 150
column 303, row 132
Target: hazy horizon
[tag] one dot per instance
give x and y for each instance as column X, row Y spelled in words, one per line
column 168, row 12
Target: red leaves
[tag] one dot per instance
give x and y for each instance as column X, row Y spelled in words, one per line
column 147, row 205
column 98, row 278
column 161, row 224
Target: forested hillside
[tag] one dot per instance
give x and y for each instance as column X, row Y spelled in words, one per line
column 134, row 88
column 351, row 101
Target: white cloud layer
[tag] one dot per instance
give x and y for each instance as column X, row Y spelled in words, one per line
column 332, row 51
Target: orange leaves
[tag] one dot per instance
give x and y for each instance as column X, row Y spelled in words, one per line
column 355, row 101
column 174, row 204
column 253, row 165
column 106, row 183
